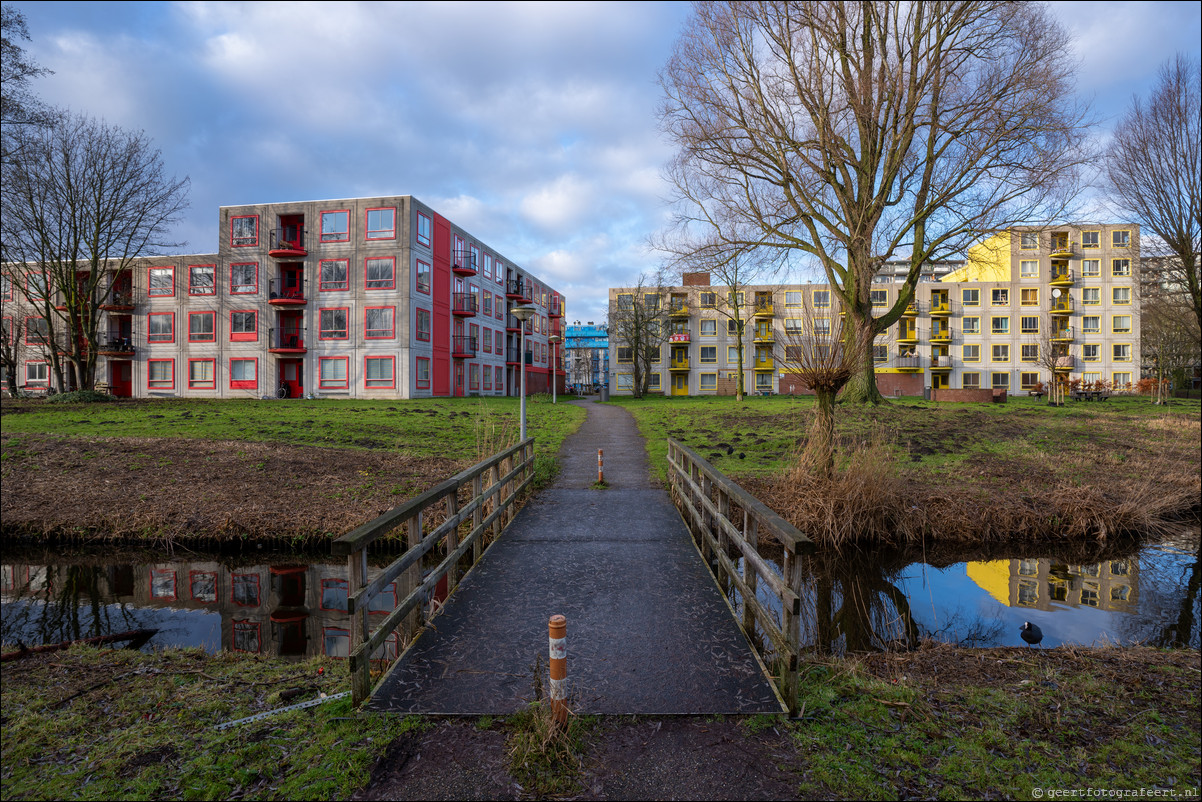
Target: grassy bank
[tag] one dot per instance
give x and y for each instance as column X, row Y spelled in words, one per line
column 975, row 472
column 940, row 722
column 217, row 471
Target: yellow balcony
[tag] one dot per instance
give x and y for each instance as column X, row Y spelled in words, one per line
column 912, row 310
column 764, row 364
column 763, row 308
column 907, row 336
column 1062, row 276
column 940, row 307
column 678, row 364
column 1063, row 334
column 678, row 309
column 764, row 336
column 908, row 363
column 941, row 362
column 1062, row 305
column 1066, row 362
column 1063, row 251
column 941, row 335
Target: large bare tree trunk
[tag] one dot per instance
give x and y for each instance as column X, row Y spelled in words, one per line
column 861, row 387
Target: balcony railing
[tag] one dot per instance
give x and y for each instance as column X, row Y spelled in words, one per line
column 915, row 308
column 122, row 301
column 678, row 364
column 1061, row 275
column 677, row 308
column 464, row 304
column 1066, row 362
column 764, row 336
column 286, row 292
column 1062, row 305
column 513, row 357
column 908, row 363
column 763, row 307
column 287, row 341
column 679, row 338
column 287, row 241
column 1064, row 334
column 464, row 264
column 941, row 335
column 940, row 362
column 116, row 343
column 941, row 306
column 463, row 347
column 1063, row 250
column 515, row 289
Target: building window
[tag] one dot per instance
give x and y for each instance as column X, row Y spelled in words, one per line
column 333, row 324
column 1001, row 381
column 332, row 373
column 1029, row 296
column 499, row 384
column 160, row 374
column 37, row 331
column 474, row 254
column 1091, row 324
column 245, row 636
column 879, row 298
column 202, row 327
column 336, row 226
column 1122, row 379
column 1091, row 353
column 244, row 590
column 202, row 374
column 422, row 375
column 709, row 381
column 1091, row 267
column 1120, row 324
column 488, row 304
column 1028, row 240
column 971, row 353
column 335, row 275
column 794, row 298
column 970, row 297
column 381, row 223
column 423, row 230
column 1120, row 239
column 380, row 273
column 379, row 323
column 487, row 369
column 822, row 299
column 202, row 280
column 1028, row 324
column 1000, row 353
column 1030, row 353
column 1028, row 268
column 244, row 279
column 1121, row 295
column 423, row 324
column 709, row 328
column 37, row 373
column 160, row 327
column 971, row 381
column 244, row 326
column 732, row 355
column 473, row 381
column 709, row 355
column 708, row 300
column 1028, row 380
column 1000, row 325
column 1091, row 239
column 162, row 282
column 880, row 353
column 1001, row 296
column 1120, row 267
column 379, row 372
column 1122, row 352
column 244, row 231
column 423, row 277
column 971, row 325
column 625, row 355
column 1091, row 296
column 244, row 374
column 653, row 383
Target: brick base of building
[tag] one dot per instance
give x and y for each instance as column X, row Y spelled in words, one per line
column 985, row 396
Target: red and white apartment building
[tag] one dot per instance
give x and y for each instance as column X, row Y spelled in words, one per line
column 364, row 298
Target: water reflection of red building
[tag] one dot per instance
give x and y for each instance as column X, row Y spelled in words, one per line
column 290, row 611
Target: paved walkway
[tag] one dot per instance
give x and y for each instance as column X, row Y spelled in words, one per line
column 648, row 631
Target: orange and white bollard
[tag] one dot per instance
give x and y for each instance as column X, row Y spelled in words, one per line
column 600, row 467
column 557, row 631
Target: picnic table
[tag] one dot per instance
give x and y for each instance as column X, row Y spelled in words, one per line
column 1090, row 395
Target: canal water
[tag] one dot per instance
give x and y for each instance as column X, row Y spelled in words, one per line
column 294, row 608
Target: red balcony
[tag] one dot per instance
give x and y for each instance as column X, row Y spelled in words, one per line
column 556, row 309
column 464, row 264
column 515, row 290
column 463, row 347
column 464, row 304
column 287, row 243
column 289, row 291
column 287, row 341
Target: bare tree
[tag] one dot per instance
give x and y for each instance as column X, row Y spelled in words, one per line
column 13, row 351
column 80, row 204
column 1154, row 172
column 818, row 352
column 1052, row 353
column 638, row 329
column 1170, row 341
column 855, row 133
column 19, row 106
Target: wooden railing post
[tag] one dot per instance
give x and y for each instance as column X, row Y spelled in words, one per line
column 453, row 538
column 751, row 534
column 478, row 516
column 792, row 631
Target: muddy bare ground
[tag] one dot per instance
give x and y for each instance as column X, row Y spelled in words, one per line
column 200, row 490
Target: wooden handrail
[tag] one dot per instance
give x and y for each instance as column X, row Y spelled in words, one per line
column 705, row 497
column 494, row 485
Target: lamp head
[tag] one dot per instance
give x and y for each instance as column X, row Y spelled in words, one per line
column 522, row 313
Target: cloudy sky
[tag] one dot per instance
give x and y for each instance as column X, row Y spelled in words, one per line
column 530, row 124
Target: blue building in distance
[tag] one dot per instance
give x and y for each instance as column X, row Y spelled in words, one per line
column 586, row 348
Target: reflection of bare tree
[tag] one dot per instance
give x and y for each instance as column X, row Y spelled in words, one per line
column 69, row 602
column 858, row 606
column 1181, row 632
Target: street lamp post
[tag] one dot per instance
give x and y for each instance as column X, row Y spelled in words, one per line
column 554, row 339
column 523, row 314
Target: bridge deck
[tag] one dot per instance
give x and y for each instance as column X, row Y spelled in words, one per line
column 648, row 631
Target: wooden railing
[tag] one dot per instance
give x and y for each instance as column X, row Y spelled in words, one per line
column 491, row 486
column 706, row 499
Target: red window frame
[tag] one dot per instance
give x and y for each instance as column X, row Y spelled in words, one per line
column 422, row 362
column 367, row 283
column 244, row 384
column 244, row 336
column 150, row 289
column 423, row 270
column 500, row 341
column 212, row 289
column 36, row 292
column 149, row 318
column 9, row 333
column 487, row 266
column 420, row 334
column 192, row 586
column 486, row 338
column 500, row 382
column 337, row 384
column 37, row 382
column 252, row 242
column 346, row 633
column 367, row 382
column 333, row 582
column 211, row 384
column 345, row 285
column 321, row 329
column 242, row 626
column 255, row 291
column 321, row 230
column 6, row 288
column 154, row 572
column 211, row 338
column 487, row 301
column 380, row 233
column 499, row 270
column 160, row 384
column 29, row 329
column 423, row 230
column 458, row 252
column 474, row 252
column 391, row 335
column 487, row 377
column 473, row 372
column 500, row 307
column 234, row 578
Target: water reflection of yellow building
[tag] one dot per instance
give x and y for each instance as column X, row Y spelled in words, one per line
column 1041, row 583
column 279, row 610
